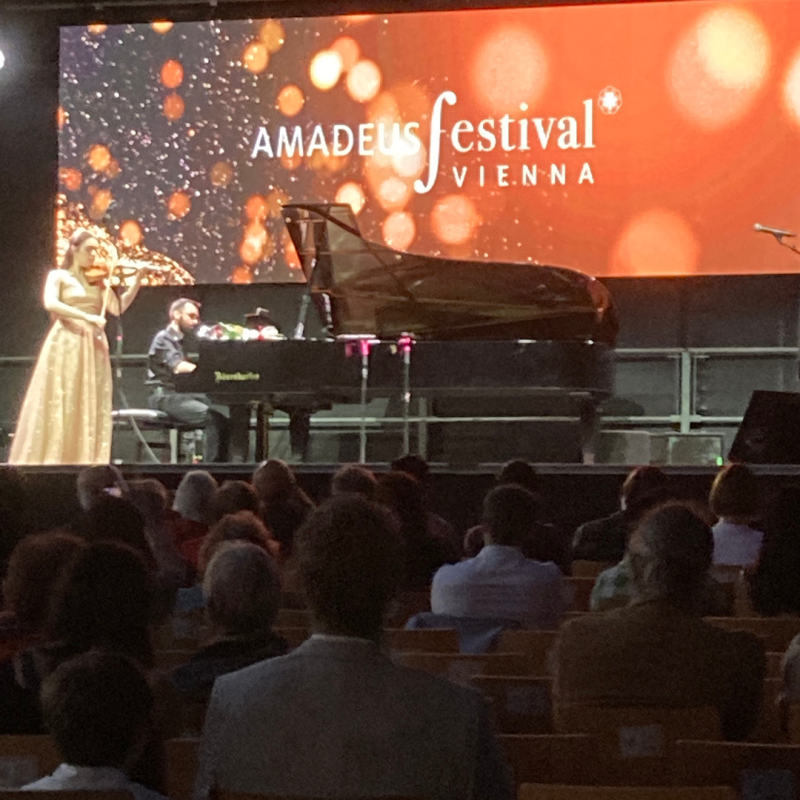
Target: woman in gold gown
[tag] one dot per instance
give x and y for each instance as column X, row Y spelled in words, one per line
column 66, row 414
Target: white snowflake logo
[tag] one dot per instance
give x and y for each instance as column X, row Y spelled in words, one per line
column 609, row 100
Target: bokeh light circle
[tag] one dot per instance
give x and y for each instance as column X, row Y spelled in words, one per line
column 325, row 69
column 509, row 68
column 454, row 219
column 791, row 89
column 174, row 106
column 276, row 200
column 70, row 178
column 2, row 59
column 97, row 28
column 656, row 242
column 162, row 26
column 347, row 47
column 131, row 233
column 273, row 34
column 255, row 57
column 364, row 81
column 393, row 194
column 172, row 74
column 241, row 274
column 291, row 100
column 399, row 230
column 98, row 157
column 256, row 207
column 179, row 204
column 62, row 117
column 719, row 67
column 221, row 174
column 352, row 194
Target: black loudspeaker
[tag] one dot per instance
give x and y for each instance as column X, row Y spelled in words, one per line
column 770, row 430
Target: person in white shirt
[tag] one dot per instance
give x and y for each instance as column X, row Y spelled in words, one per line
column 500, row 583
column 735, row 499
column 97, row 706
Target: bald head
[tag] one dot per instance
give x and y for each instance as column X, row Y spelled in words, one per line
column 670, row 553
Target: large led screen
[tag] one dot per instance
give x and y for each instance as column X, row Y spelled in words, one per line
column 624, row 139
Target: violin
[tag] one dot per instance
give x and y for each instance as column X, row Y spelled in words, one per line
column 98, row 274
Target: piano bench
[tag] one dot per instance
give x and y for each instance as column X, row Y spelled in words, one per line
column 151, row 419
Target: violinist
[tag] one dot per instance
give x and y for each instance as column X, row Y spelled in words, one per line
column 66, row 414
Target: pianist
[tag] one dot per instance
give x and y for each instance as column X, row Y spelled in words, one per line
column 166, row 359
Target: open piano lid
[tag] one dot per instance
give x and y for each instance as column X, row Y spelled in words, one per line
column 374, row 290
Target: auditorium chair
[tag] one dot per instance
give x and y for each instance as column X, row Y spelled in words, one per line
column 769, row 726
column 776, row 632
column 589, row 569
column 553, row 758
column 533, row 791
column 181, row 760
column 421, row 640
column 25, row 758
column 581, row 592
column 521, row 704
column 71, row 794
column 737, row 764
column 774, row 663
column 535, row 645
column 463, row 668
column 636, row 745
column 405, row 605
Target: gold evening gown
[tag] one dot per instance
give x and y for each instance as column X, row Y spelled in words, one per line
column 66, row 414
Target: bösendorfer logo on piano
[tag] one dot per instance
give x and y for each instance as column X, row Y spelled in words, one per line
column 222, row 377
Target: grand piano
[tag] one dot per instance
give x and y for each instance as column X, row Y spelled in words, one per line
column 403, row 325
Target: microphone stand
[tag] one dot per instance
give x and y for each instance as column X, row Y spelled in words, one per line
column 791, row 247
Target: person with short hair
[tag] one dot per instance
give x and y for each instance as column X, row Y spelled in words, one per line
column 97, row 706
column 605, row 539
column 243, row 594
column 500, row 582
column 234, row 496
column 658, row 651
column 337, row 717
column 98, row 481
column 735, row 499
column 167, row 358
column 354, row 479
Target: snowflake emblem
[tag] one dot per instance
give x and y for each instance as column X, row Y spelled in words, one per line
column 609, row 100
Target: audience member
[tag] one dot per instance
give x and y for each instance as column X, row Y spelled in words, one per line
column 99, row 481
column 243, row 595
column 354, row 479
column 275, row 482
column 193, row 503
column 775, row 584
column 234, row 496
column 96, row 706
column 337, row 717
column 500, row 582
column 658, row 651
column 605, row 539
column 117, row 519
column 423, row 553
column 735, row 499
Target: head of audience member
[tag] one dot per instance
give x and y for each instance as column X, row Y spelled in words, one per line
column 100, row 480
column 283, row 520
column 640, row 484
column 243, row 526
column 521, row 473
column 97, row 708
column 103, row 599
column 150, row 498
column 233, row 496
column 242, row 589
column 414, row 465
column 354, row 479
column 116, row 519
column 509, row 515
column 735, row 494
column 347, row 554
column 33, row 572
column 670, row 553
column 194, row 497
column 274, row 480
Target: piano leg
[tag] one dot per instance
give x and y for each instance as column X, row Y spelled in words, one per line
column 239, row 448
column 299, row 432
column 589, row 427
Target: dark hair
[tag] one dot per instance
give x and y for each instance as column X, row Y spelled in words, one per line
column 735, row 493
column 242, row 588
column 414, row 465
column 233, row 496
column 150, row 498
column 96, row 707
column 670, row 553
column 118, row 520
column 241, row 526
column 78, row 237
column 641, row 481
column 33, row 571
column 520, row 472
column 273, row 479
column 180, row 304
column 509, row 513
column 92, row 483
column 102, row 600
column 354, row 479
column 283, row 519
column 347, row 555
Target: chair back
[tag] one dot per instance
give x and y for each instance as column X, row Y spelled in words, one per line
column 535, row 645
column 71, row 794
column 551, row 758
column 776, row 632
column 738, row 764
column 24, row 759
column 636, row 745
column 463, row 668
column 589, row 569
column 531, row 791
column 475, row 634
column 521, row 704
column 405, row 606
column 181, row 759
column 581, row 589
column 421, row 640
column 768, row 727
